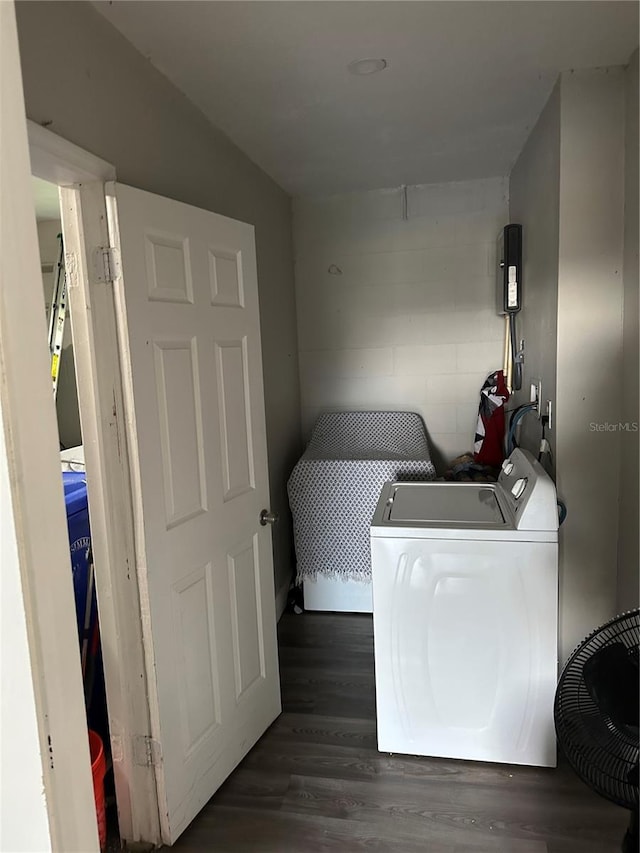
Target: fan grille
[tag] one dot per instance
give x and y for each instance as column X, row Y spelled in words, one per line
column 602, row 753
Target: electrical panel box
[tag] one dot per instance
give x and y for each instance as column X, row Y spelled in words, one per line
column 509, row 279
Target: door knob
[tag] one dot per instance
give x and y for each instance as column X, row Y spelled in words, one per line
column 268, row 517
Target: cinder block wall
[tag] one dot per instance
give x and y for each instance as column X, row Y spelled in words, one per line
column 400, row 313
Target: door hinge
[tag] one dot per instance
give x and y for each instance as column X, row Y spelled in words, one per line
column 106, row 263
column 146, row 751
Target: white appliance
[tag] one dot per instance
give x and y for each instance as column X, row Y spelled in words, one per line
column 72, row 459
column 465, row 612
column 341, row 595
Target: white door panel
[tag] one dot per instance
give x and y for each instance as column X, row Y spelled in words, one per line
column 189, row 313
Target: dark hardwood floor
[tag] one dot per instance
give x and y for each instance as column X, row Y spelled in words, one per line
column 316, row 782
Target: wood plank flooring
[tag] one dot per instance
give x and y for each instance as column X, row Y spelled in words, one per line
column 316, row 782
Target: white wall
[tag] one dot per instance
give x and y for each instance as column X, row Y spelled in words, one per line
column 24, row 825
column 569, row 180
column 93, row 88
column 411, row 321
column 67, row 396
column 43, row 721
column 48, row 244
column 628, row 536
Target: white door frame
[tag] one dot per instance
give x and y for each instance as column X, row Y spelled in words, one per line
column 99, row 380
column 39, row 563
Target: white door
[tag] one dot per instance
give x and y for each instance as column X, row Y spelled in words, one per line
column 188, row 304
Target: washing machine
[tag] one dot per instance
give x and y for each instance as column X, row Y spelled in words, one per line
column 465, row 614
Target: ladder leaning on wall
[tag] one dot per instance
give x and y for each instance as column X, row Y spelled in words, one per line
column 57, row 316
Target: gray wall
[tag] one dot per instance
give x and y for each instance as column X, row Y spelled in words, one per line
column 567, row 189
column 628, row 536
column 93, row 88
column 534, row 202
column 590, row 343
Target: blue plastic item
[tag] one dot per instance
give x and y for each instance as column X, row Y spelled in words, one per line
column 75, row 496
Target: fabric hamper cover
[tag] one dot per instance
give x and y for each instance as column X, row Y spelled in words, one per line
column 334, row 487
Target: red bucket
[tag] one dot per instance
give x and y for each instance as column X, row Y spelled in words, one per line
column 98, row 770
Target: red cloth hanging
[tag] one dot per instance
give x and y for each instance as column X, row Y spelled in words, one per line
column 489, row 440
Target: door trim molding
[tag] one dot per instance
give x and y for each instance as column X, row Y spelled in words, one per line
column 61, row 162
column 81, row 177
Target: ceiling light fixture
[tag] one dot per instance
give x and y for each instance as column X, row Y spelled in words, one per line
column 367, row 66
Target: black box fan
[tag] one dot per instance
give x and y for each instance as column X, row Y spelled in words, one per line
column 596, row 714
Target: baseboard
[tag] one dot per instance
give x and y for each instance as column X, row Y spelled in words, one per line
column 281, row 598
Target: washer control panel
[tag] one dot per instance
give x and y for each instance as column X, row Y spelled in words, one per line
column 529, row 492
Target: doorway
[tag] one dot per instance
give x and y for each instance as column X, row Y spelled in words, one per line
column 74, row 480
column 92, row 439
column 204, row 617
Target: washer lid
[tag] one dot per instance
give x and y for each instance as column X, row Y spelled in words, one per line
column 438, row 504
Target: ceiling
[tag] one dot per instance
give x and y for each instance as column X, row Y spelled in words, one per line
column 464, row 85
column 45, row 199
